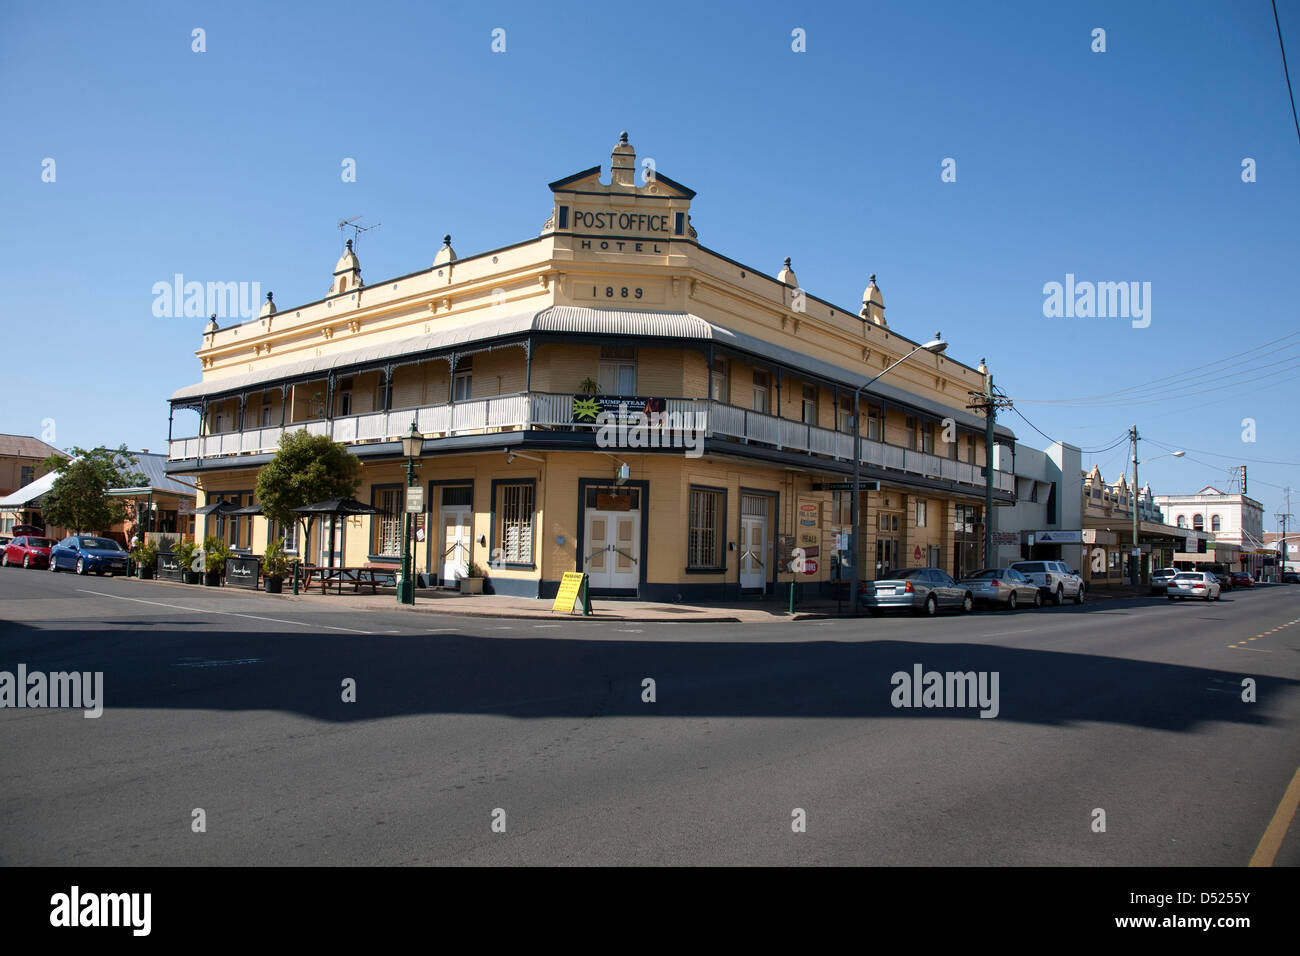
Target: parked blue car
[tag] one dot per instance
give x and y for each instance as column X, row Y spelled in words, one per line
column 84, row 553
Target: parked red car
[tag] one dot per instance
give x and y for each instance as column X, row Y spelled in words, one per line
column 1240, row 579
column 29, row 552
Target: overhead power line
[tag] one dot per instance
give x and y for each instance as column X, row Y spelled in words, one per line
column 1285, row 72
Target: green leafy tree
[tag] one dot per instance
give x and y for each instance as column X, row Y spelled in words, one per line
column 305, row 469
column 79, row 498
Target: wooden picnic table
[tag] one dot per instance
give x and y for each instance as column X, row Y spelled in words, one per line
column 356, row 576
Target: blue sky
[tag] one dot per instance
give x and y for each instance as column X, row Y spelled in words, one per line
column 1115, row 166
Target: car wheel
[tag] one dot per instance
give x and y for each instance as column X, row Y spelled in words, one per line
column 1011, row 599
column 54, row 565
column 1038, row 599
column 967, row 604
column 931, row 606
column 4, row 559
column 27, row 561
column 1059, row 598
column 1078, row 595
column 81, row 565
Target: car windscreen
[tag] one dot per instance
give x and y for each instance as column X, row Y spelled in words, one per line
column 1030, row 567
column 100, row 544
column 40, row 542
column 904, row 575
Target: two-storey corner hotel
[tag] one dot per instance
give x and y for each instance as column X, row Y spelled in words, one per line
column 514, row 362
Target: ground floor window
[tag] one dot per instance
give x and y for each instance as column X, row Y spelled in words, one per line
column 386, row 527
column 515, row 511
column 704, row 529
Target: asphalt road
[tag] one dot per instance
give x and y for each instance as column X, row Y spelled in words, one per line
column 232, row 703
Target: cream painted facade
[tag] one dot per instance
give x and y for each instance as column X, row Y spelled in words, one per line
column 496, row 354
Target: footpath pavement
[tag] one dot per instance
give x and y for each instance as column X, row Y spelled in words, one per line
column 435, row 601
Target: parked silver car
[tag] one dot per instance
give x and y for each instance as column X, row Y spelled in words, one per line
column 1160, row 580
column 920, row 590
column 1054, row 579
column 1002, row 587
column 1194, row 584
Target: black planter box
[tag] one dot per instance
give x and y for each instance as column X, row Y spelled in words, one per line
column 145, row 572
column 212, row 579
column 274, row 585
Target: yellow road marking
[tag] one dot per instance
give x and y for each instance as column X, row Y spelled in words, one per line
column 1271, row 841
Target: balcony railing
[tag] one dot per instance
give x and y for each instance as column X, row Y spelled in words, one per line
column 544, row 410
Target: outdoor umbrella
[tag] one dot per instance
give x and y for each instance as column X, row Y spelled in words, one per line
column 337, row 507
column 218, row 508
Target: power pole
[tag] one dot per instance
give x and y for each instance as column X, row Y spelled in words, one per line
column 1136, row 554
column 1282, row 549
column 989, row 403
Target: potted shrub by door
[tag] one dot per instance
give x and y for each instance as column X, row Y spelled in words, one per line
column 145, row 555
column 274, row 567
column 473, row 584
column 214, row 561
column 186, row 553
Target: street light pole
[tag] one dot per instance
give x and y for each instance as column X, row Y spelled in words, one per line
column 412, row 444
column 1135, row 573
column 937, row 346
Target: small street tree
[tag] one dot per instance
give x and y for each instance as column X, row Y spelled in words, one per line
column 305, row 469
column 79, row 498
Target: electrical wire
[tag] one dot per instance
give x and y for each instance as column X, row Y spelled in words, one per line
column 1218, row 366
column 1285, row 72
column 1215, row 454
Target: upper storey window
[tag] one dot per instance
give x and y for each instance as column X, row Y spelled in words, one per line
column 617, row 370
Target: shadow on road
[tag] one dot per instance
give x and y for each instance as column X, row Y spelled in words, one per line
column 534, row 678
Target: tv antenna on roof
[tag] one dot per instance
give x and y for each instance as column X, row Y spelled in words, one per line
column 355, row 225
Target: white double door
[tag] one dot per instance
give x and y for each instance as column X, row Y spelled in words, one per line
column 455, row 543
column 613, row 549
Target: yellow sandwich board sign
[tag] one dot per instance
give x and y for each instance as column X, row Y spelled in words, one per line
column 572, row 587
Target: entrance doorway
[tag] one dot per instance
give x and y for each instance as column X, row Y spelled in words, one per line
column 612, row 540
column 457, row 516
column 754, row 546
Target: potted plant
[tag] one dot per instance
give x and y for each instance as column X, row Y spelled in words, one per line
column 473, row 584
column 274, row 567
column 588, row 386
column 145, row 555
column 186, row 554
column 214, row 561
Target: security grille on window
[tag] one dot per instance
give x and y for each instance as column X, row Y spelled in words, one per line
column 387, row 525
column 516, row 514
column 704, row 535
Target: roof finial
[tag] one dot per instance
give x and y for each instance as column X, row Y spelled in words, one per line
column 622, row 138
column 446, row 240
column 349, row 245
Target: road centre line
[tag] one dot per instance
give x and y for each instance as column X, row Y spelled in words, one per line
column 1271, row 841
column 195, row 610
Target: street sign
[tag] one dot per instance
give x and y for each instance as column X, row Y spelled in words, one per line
column 848, row 486
column 415, row 500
